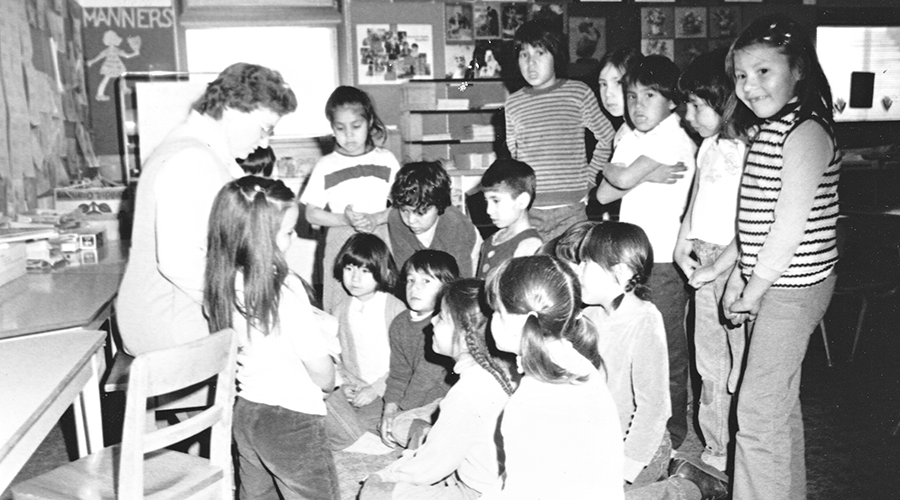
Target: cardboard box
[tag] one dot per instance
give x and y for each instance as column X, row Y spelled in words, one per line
column 89, row 200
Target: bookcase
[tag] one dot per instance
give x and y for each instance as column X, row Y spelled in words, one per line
column 458, row 122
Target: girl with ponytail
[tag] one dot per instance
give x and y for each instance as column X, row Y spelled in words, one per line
column 614, row 262
column 560, row 430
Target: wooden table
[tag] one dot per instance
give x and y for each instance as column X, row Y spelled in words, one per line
column 51, row 355
column 42, row 374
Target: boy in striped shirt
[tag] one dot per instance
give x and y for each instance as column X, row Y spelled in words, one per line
column 545, row 124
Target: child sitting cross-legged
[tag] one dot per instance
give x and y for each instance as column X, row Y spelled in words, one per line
column 366, row 269
column 508, row 187
column 418, row 377
column 423, row 218
column 459, row 459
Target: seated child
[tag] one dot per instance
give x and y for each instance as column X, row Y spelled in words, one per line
column 423, row 218
column 615, row 262
column 260, row 162
column 365, row 267
column 656, row 149
column 417, row 376
column 508, row 187
column 561, row 436
column 459, row 459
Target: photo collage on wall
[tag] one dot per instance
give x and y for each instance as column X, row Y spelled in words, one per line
column 394, row 53
column 683, row 33
column 479, row 36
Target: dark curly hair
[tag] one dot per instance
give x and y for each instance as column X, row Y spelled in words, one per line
column 246, row 87
column 420, row 185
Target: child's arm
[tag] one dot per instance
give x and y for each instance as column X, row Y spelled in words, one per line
column 683, row 246
column 618, row 179
column 321, row 371
column 399, row 375
column 510, row 131
column 476, row 251
column 321, row 217
column 724, row 263
column 650, row 386
column 808, row 150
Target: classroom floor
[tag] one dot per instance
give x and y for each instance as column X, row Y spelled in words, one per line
column 849, row 410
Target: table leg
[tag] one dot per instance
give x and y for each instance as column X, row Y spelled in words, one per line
column 88, row 416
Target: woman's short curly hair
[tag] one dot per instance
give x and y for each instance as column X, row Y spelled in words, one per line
column 246, row 87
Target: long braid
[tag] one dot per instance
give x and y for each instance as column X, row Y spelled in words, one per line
column 479, row 351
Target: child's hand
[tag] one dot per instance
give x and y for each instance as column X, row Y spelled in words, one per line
column 349, row 392
column 746, row 308
column 683, row 258
column 360, row 221
column 387, row 424
column 364, row 396
column 733, row 290
column 703, row 276
column 667, row 174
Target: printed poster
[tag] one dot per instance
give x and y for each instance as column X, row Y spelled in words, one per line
column 394, row 53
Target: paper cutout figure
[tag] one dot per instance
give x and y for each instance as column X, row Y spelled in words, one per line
column 112, row 56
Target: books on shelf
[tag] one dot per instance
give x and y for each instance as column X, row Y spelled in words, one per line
column 437, row 137
column 478, row 132
column 452, row 104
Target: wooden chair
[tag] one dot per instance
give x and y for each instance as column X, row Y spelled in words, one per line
column 141, row 467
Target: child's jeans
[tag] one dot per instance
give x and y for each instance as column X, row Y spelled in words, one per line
column 282, row 454
column 669, row 295
column 345, row 424
column 719, row 352
column 769, row 461
column 658, row 468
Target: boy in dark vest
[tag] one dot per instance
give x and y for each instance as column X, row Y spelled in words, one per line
column 508, row 187
column 423, row 219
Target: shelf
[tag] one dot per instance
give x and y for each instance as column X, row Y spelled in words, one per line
column 453, row 111
column 454, row 141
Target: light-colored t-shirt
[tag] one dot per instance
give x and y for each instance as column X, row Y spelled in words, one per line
column 270, row 367
column 720, row 163
column 370, row 337
column 657, row 207
column 633, row 347
column 361, row 181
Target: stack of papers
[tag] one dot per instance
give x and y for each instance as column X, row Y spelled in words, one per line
column 452, row 104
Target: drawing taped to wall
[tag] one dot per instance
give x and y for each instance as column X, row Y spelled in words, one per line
column 112, row 55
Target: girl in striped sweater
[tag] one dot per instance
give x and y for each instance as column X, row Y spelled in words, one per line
column 785, row 247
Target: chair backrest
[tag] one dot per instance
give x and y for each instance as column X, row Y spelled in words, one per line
column 210, row 360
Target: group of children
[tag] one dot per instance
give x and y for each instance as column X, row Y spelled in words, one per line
column 572, row 330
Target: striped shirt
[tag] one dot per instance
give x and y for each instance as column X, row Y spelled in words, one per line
column 761, row 186
column 545, row 129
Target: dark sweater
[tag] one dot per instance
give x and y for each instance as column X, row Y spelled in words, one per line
column 455, row 234
column 417, row 375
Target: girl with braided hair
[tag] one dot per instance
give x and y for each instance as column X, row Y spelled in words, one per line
column 615, row 259
column 459, row 460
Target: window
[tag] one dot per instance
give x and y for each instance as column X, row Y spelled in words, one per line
column 307, row 58
column 862, row 64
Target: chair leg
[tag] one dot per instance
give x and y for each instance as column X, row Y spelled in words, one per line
column 859, row 325
column 825, row 342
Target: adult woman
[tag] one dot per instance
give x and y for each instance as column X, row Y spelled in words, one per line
column 160, row 297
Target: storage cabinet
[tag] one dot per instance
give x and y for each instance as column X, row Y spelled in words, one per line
column 458, row 122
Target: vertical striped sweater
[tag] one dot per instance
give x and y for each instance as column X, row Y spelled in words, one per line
column 545, row 129
column 760, row 188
